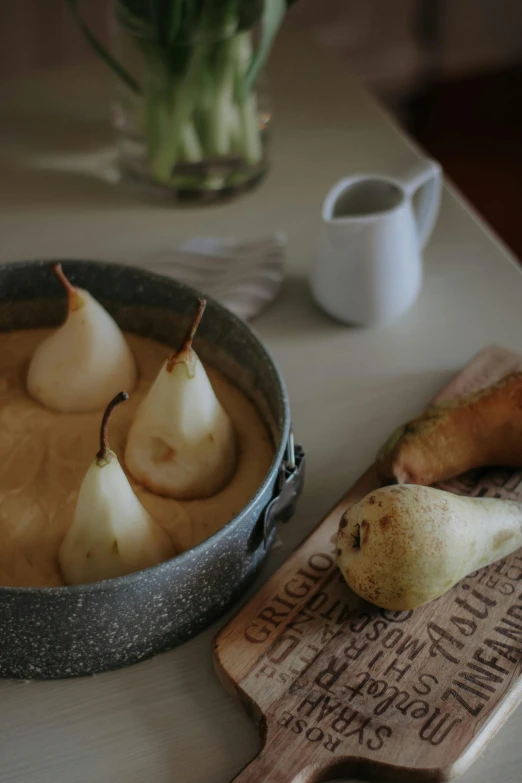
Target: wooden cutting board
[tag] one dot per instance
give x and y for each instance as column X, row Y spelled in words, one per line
column 342, row 689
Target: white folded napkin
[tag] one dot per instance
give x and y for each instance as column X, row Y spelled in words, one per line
column 243, row 276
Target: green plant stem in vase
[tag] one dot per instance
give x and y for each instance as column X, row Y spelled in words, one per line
column 191, row 115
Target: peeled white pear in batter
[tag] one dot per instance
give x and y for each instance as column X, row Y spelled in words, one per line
column 403, row 546
column 181, row 442
column 111, row 534
column 85, row 361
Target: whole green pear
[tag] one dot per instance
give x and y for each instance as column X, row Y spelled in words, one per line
column 402, row 546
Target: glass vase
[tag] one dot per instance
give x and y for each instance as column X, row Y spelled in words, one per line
column 187, row 125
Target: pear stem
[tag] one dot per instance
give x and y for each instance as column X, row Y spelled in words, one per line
column 60, row 274
column 103, row 453
column 357, row 537
column 187, row 342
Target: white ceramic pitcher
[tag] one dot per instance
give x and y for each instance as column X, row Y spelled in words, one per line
column 368, row 268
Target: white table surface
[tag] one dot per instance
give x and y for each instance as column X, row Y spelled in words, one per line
column 168, row 720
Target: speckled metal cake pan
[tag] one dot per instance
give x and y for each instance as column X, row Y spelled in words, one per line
column 70, row 631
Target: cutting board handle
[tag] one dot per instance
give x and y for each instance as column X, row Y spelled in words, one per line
column 257, row 771
column 269, row 767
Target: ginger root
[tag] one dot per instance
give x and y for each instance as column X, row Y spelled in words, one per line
column 452, row 437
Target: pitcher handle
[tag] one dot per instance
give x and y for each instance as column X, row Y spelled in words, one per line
column 424, row 181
